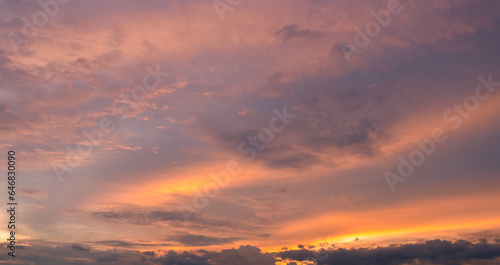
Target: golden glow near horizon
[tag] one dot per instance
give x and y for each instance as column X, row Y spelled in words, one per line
column 149, row 126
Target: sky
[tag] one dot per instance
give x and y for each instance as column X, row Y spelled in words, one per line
column 204, row 132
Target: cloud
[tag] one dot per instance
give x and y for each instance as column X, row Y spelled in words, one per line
column 126, row 244
column 434, row 251
column 79, row 247
column 186, row 258
column 293, row 31
column 244, row 255
column 281, row 189
column 36, row 194
column 144, row 216
column 52, row 253
column 93, row 52
column 199, row 240
column 108, row 258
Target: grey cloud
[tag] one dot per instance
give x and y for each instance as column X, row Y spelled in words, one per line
column 244, row 255
column 52, row 253
column 287, row 157
column 186, row 258
column 435, row 251
column 432, row 252
column 199, row 240
column 293, row 31
column 120, row 243
column 148, row 216
column 281, row 190
column 108, row 258
column 79, row 247
column 139, row 218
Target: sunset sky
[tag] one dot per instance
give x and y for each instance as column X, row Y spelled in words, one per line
column 252, row 132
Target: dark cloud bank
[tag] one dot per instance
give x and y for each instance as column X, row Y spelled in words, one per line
column 440, row 252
